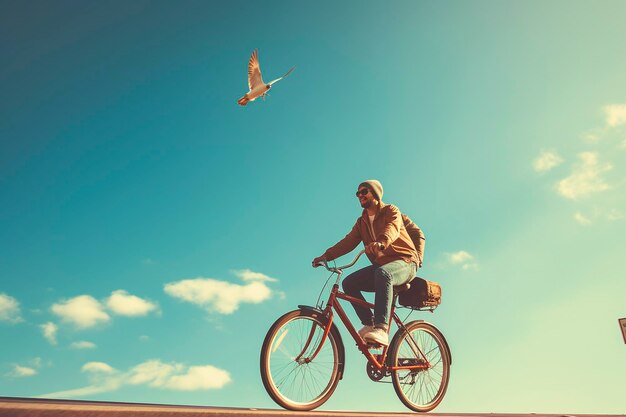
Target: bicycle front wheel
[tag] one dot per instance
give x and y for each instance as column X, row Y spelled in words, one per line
column 293, row 375
column 420, row 389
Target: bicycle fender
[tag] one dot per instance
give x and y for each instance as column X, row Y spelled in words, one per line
column 335, row 331
column 435, row 329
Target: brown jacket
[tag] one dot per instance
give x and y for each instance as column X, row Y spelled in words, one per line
column 391, row 228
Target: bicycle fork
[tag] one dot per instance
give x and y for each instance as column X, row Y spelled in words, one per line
column 301, row 358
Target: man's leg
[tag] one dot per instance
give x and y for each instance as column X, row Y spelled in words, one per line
column 353, row 284
column 385, row 277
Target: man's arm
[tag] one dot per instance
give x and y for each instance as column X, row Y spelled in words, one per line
column 416, row 235
column 345, row 245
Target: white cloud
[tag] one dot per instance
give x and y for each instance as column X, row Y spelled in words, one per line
column 98, row 387
column 596, row 179
column 580, row 218
column 99, row 367
column 50, row 332
column 83, row 311
column 153, row 373
column 199, row 378
column 546, row 161
column 460, row 257
column 470, row 267
column 9, row 309
column 247, row 275
column 585, row 179
column 219, row 296
column 177, row 376
column 463, row 259
column 125, row 304
column 598, row 214
column 22, row 371
column 83, row 345
column 615, row 114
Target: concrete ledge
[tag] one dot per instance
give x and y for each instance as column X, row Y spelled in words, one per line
column 33, row 407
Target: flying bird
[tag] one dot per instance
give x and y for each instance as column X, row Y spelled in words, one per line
column 255, row 83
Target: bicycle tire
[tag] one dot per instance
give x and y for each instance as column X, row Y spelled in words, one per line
column 293, row 383
column 420, row 390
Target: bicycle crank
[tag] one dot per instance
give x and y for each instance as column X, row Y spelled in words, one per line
column 376, row 374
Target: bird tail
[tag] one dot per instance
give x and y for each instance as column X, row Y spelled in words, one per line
column 243, row 100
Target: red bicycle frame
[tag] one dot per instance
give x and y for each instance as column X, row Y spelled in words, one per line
column 378, row 361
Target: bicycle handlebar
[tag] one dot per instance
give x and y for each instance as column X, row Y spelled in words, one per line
column 339, row 269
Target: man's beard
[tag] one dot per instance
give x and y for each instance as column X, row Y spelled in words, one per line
column 367, row 204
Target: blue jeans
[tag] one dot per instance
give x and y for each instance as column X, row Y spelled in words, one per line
column 381, row 280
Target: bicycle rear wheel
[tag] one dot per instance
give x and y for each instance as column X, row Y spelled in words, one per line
column 291, row 375
column 420, row 389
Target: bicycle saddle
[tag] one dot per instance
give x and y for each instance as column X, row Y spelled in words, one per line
column 401, row 288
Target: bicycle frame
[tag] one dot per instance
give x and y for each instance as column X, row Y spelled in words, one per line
column 378, row 361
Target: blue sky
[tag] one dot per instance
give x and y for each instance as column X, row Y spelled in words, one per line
column 152, row 229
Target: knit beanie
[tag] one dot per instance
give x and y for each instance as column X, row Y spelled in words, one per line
column 375, row 186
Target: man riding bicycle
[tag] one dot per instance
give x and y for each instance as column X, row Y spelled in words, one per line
column 388, row 237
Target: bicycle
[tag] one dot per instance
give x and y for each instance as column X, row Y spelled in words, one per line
column 303, row 356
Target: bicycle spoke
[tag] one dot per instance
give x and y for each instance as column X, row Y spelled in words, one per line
column 420, row 389
column 296, row 378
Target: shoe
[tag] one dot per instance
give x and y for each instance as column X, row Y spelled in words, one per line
column 364, row 330
column 378, row 336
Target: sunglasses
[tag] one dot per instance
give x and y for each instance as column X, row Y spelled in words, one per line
column 362, row 191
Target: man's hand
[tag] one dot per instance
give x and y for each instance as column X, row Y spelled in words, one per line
column 373, row 249
column 317, row 261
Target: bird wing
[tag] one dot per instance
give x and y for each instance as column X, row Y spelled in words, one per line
column 254, row 71
column 278, row 79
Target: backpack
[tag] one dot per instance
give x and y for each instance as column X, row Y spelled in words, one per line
column 415, row 233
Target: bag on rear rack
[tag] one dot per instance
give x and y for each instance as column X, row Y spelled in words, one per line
column 422, row 294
